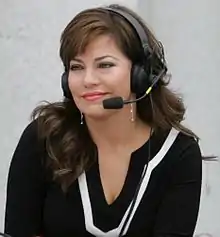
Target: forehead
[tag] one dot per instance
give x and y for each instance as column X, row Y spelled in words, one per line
column 101, row 45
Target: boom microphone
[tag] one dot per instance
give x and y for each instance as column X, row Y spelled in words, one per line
column 118, row 102
column 113, row 103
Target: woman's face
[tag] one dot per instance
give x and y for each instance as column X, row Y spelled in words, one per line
column 101, row 72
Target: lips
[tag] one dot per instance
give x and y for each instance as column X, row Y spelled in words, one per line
column 94, row 96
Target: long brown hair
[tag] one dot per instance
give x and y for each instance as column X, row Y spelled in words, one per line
column 69, row 146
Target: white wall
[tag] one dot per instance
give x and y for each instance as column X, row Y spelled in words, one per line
column 190, row 31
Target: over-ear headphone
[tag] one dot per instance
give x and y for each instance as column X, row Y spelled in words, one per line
column 141, row 74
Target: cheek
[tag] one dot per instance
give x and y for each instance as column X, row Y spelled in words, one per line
column 74, row 86
column 122, row 82
column 75, row 91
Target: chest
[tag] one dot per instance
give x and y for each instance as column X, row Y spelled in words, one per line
column 113, row 174
column 66, row 213
column 85, row 209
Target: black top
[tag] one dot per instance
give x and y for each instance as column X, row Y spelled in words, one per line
column 36, row 205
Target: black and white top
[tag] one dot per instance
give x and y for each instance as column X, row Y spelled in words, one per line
column 167, row 204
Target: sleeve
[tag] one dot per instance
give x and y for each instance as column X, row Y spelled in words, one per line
column 25, row 187
column 177, row 215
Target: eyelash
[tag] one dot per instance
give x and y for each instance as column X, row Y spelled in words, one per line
column 75, row 67
column 106, row 64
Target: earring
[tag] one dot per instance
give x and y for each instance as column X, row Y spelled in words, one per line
column 132, row 113
column 81, row 120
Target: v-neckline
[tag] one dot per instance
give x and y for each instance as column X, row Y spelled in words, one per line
column 136, row 165
column 121, row 193
column 135, row 169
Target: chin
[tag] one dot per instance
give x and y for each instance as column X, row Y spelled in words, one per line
column 97, row 112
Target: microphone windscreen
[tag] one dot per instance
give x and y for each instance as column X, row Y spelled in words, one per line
column 113, row 103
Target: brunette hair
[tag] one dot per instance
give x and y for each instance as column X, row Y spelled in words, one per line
column 69, row 146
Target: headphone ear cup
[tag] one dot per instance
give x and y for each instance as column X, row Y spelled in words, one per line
column 139, row 80
column 65, row 86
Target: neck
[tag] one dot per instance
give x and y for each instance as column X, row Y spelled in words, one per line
column 118, row 130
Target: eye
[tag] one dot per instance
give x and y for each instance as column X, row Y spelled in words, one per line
column 105, row 65
column 75, row 67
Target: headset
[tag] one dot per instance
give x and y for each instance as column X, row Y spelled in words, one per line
column 142, row 78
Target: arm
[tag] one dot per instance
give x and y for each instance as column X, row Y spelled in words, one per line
column 25, row 187
column 177, row 215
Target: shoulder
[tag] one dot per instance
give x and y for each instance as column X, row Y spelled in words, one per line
column 177, row 141
column 29, row 138
column 185, row 150
column 182, row 161
column 185, row 143
column 29, row 148
column 175, row 147
column 30, row 131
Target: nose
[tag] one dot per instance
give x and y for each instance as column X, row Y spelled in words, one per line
column 90, row 79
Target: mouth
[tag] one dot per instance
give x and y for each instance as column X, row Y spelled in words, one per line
column 94, row 96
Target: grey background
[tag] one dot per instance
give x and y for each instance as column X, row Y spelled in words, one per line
column 30, row 71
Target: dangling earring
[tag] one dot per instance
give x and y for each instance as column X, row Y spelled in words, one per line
column 81, row 120
column 132, row 113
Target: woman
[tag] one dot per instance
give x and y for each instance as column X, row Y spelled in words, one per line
column 83, row 167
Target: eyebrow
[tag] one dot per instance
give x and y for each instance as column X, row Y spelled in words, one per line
column 96, row 59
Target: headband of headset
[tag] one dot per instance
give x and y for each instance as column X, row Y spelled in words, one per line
column 140, row 32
